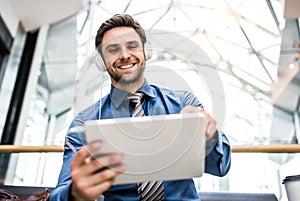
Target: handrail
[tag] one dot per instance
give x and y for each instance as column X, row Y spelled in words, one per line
column 27, row 149
column 274, row 148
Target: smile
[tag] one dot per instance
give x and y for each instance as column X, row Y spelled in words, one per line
column 126, row 66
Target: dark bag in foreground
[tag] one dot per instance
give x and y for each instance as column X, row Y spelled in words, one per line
column 5, row 195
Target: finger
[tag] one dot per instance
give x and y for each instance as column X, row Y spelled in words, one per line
column 93, row 165
column 94, row 146
column 211, row 128
column 84, row 152
column 191, row 109
column 88, row 175
column 105, row 175
column 200, row 109
column 96, row 190
column 86, row 191
column 94, row 185
column 107, row 160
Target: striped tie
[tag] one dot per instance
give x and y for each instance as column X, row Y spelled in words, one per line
column 135, row 101
column 148, row 190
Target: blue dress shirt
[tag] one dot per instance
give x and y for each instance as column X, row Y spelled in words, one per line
column 157, row 101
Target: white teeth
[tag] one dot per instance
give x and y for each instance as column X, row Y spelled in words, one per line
column 126, row 66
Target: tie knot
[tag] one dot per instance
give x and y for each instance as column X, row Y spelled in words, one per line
column 135, row 98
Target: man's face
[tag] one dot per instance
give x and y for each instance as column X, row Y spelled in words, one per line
column 123, row 54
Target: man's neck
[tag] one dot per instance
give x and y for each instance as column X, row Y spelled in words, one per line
column 130, row 87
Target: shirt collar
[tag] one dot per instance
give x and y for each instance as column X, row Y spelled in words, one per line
column 117, row 96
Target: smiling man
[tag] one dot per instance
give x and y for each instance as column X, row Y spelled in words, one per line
column 120, row 41
column 123, row 54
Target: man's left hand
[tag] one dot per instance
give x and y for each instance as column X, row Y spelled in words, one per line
column 211, row 128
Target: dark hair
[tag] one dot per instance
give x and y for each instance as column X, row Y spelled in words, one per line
column 119, row 20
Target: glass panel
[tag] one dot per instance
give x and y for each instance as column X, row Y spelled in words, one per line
column 34, row 169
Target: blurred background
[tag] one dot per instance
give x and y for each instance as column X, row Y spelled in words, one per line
column 244, row 69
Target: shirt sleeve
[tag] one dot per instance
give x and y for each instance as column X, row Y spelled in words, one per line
column 74, row 140
column 187, row 98
column 218, row 155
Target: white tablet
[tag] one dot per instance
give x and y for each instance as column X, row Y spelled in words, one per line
column 163, row 147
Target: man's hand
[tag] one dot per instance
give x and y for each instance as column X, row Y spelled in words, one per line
column 211, row 126
column 91, row 177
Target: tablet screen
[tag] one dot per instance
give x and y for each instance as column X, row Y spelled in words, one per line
column 162, row 147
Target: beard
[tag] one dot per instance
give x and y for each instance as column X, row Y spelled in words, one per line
column 130, row 78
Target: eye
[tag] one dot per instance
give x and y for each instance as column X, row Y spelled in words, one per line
column 132, row 46
column 113, row 50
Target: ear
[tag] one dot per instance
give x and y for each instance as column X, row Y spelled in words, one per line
column 147, row 51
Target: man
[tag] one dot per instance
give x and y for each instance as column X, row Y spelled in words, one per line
column 120, row 41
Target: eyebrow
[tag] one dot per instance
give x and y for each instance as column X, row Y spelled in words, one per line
column 131, row 42
column 111, row 45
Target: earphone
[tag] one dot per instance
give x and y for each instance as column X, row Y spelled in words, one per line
column 147, row 51
column 100, row 62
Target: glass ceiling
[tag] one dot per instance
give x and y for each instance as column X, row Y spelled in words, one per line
column 242, row 38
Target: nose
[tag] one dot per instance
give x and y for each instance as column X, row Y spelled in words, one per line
column 125, row 53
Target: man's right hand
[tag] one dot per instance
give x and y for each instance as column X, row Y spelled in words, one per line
column 91, row 177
